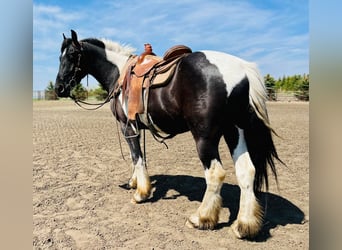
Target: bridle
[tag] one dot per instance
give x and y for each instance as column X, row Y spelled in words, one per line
column 73, row 82
column 77, row 69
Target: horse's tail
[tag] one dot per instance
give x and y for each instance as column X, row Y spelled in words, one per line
column 258, row 132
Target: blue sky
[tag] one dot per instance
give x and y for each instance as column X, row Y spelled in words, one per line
column 272, row 33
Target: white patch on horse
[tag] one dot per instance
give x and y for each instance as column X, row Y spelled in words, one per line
column 233, row 70
column 123, row 104
column 250, row 214
column 143, row 182
column 117, row 59
column 116, row 53
column 207, row 215
column 231, row 67
column 64, row 52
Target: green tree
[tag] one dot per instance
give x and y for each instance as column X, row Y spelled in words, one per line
column 79, row 92
column 100, row 93
column 50, row 93
column 269, row 81
column 302, row 92
column 270, row 85
column 297, row 84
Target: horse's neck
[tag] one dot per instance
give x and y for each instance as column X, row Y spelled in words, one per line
column 105, row 68
column 106, row 74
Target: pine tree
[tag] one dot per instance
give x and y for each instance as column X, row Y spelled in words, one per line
column 270, row 84
column 50, row 93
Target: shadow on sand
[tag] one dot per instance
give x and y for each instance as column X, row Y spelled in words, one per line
column 279, row 211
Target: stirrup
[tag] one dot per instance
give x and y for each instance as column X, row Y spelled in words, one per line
column 135, row 128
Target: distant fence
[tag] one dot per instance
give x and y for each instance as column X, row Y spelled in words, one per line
column 38, row 95
column 44, row 95
column 274, row 95
column 286, row 97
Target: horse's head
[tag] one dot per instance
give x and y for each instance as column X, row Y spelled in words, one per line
column 70, row 67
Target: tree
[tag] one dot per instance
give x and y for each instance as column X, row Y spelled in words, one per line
column 297, row 84
column 100, row 93
column 79, row 92
column 50, row 93
column 270, row 87
column 302, row 92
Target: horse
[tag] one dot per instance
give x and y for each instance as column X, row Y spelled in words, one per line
column 211, row 94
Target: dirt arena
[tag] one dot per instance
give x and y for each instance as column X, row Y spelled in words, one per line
column 78, row 202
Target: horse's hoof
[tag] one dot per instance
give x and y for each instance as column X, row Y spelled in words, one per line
column 200, row 223
column 140, row 197
column 246, row 230
column 191, row 224
column 125, row 186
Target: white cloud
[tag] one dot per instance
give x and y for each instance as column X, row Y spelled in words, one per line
column 272, row 37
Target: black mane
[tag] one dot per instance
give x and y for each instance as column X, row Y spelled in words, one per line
column 95, row 42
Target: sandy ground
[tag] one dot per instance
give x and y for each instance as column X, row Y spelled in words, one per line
column 78, row 202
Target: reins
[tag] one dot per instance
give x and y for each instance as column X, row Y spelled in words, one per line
column 79, row 101
column 99, row 105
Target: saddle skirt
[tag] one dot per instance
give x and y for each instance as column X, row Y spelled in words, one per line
column 146, row 71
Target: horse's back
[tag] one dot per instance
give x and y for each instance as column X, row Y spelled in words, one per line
column 214, row 71
column 237, row 75
column 207, row 87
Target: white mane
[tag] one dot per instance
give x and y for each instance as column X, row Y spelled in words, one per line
column 123, row 49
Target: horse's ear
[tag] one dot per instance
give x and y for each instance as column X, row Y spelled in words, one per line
column 75, row 40
column 64, row 36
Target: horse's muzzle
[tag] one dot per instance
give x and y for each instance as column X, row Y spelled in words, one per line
column 61, row 90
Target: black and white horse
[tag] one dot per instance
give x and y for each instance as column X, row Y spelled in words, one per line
column 212, row 94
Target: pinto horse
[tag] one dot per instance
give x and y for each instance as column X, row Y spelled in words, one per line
column 211, row 94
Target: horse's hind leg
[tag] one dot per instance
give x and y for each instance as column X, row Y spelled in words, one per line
column 249, row 219
column 207, row 215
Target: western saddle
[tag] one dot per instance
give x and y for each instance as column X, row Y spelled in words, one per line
column 145, row 71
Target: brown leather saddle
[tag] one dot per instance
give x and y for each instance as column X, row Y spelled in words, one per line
column 146, row 71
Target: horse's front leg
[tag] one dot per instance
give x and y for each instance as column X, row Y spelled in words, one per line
column 207, row 215
column 140, row 178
